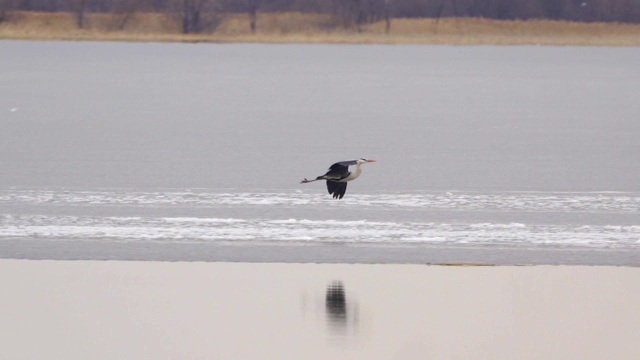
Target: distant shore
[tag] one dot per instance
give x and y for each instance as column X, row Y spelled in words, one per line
column 316, row 29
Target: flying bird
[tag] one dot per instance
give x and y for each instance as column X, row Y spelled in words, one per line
column 338, row 175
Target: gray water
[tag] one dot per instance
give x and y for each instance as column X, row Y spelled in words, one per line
column 195, row 152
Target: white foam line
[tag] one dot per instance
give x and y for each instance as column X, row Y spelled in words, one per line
column 531, row 202
column 216, row 229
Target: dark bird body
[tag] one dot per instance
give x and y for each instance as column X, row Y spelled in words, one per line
column 338, row 175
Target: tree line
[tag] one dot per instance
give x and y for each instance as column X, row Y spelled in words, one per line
column 203, row 15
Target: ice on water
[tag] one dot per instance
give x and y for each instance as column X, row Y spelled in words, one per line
column 280, row 217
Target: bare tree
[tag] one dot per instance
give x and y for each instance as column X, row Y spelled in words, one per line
column 6, row 6
column 355, row 13
column 387, row 16
column 191, row 10
column 122, row 12
column 80, row 9
column 252, row 7
column 198, row 15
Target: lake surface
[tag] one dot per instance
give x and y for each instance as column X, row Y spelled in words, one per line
column 195, row 152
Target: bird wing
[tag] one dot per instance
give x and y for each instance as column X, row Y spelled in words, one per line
column 345, row 163
column 338, row 171
column 337, row 189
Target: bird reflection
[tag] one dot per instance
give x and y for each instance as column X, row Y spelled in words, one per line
column 337, row 311
column 336, row 305
column 342, row 314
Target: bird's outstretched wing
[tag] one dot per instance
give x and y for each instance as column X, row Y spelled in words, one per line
column 338, row 171
column 337, row 189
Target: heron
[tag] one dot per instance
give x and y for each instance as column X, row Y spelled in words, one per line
column 338, row 175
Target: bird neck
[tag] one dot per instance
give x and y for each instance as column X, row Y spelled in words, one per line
column 354, row 175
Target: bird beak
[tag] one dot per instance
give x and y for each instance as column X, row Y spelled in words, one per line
column 371, row 161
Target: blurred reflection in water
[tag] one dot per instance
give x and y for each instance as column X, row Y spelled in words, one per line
column 341, row 313
column 336, row 305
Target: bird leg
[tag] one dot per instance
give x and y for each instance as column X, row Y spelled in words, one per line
column 305, row 180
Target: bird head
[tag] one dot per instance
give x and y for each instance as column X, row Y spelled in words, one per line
column 363, row 160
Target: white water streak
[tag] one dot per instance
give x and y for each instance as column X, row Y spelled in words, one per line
column 46, row 223
column 602, row 202
column 175, row 229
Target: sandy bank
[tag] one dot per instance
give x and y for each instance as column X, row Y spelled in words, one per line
column 106, row 310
